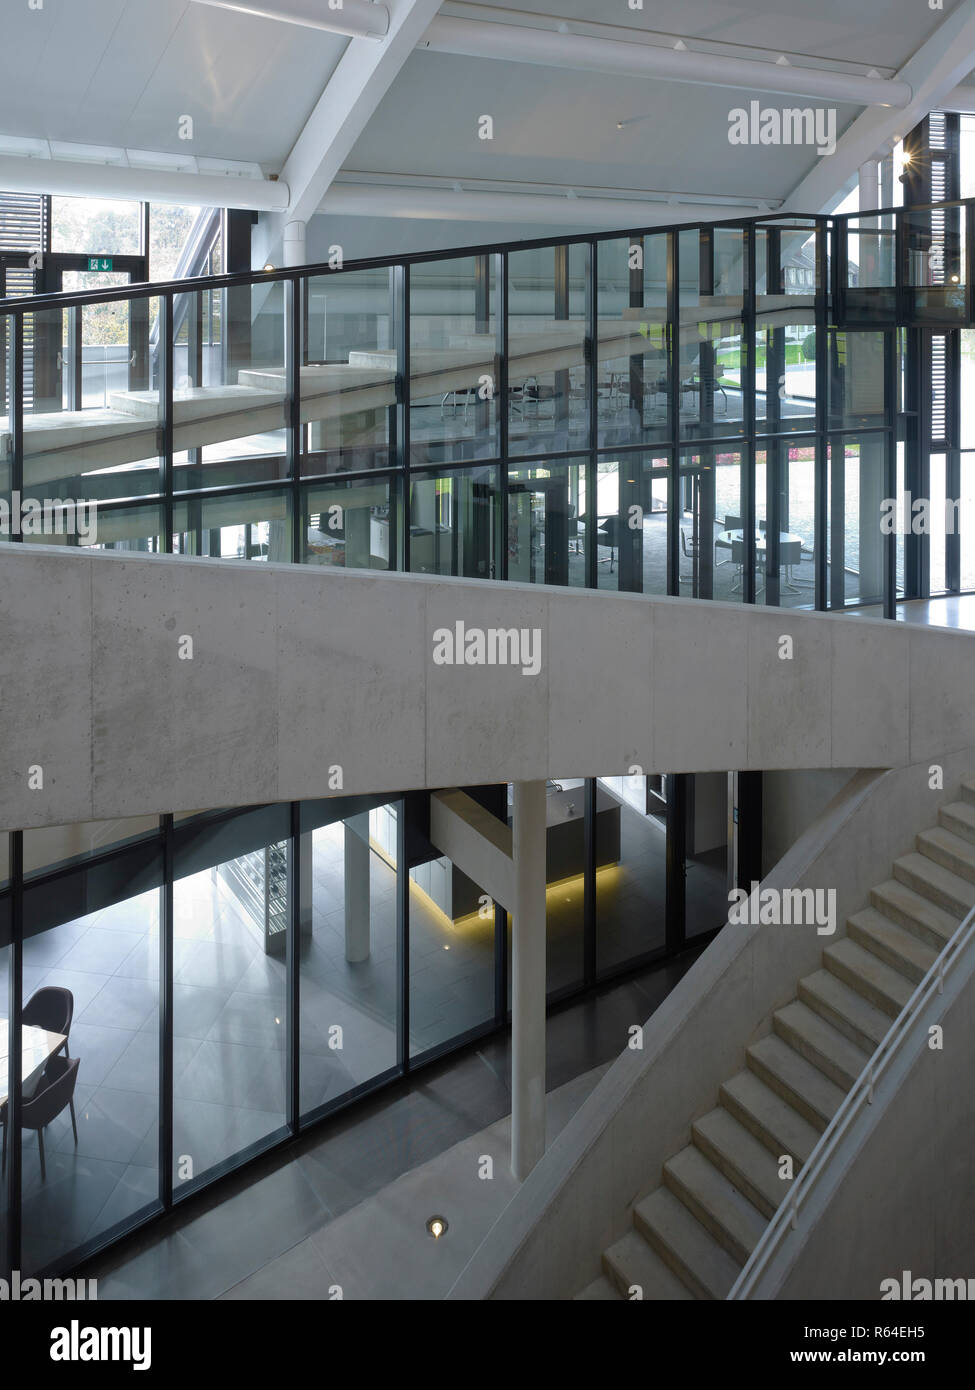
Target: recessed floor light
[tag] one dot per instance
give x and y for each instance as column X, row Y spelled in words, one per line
column 436, row 1226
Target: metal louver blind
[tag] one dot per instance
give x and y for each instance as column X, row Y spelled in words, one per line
column 23, row 222
column 939, row 414
column 23, row 230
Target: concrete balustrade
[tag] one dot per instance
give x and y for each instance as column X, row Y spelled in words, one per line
column 296, row 671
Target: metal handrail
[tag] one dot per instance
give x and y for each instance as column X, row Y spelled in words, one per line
column 786, row 1218
column 245, row 278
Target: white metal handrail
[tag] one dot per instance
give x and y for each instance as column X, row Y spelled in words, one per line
column 786, row 1218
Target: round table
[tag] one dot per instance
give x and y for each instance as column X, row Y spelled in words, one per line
column 727, row 540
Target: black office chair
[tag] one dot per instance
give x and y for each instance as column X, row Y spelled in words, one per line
column 57, row 1091
column 731, row 523
column 51, row 1008
column 610, row 528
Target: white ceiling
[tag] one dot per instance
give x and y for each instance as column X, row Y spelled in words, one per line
column 123, row 73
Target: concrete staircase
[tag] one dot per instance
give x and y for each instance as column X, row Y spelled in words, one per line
column 692, row 1235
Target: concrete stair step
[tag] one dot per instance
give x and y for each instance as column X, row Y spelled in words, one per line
column 800, row 1083
column 948, row 850
column 879, row 983
column 689, row 1250
column 599, row 1288
column 959, row 818
column 743, row 1159
column 771, row 1119
column 632, row 1262
column 889, row 942
column 967, row 790
column 855, row 1017
column 727, row 1213
column 945, row 889
column 914, row 913
column 819, row 1042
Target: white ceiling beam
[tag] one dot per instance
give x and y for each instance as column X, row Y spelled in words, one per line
column 961, row 99
column 934, row 71
column 515, row 43
column 75, row 178
column 362, row 78
column 357, row 18
column 588, row 214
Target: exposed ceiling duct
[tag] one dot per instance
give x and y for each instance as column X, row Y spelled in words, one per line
column 516, row 43
column 593, row 214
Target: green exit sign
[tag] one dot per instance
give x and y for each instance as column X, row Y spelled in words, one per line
column 99, row 262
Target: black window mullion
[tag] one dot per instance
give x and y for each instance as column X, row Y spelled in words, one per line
column 15, row 980
column 165, row 1060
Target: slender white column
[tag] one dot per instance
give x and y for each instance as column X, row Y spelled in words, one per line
column 528, row 979
column 357, row 906
column 869, row 185
column 294, row 243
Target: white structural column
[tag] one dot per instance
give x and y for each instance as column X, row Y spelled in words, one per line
column 528, row 979
column 869, row 185
column 294, row 243
column 357, row 904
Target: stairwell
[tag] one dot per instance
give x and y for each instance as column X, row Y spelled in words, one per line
column 692, row 1235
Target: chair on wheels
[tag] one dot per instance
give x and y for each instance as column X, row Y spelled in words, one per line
column 57, row 1091
column 610, row 528
column 52, row 1009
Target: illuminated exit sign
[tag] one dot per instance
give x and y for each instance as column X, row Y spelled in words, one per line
column 99, row 262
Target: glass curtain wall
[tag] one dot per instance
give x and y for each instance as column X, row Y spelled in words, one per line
column 662, row 411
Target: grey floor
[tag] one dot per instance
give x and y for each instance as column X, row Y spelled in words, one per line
column 229, row 1236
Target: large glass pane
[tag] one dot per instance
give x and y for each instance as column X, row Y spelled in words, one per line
column 547, row 524
column 231, row 904
column 248, row 526
column 229, row 398
column 966, row 394
column 936, row 543
column 451, row 954
column 633, row 386
column 348, row 379
column 934, row 240
column 711, row 348
column 91, row 411
column 711, row 528
column 631, row 870
column 455, row 522
column 352, row 523
column 5, row 953
column 966, row 521
column 786, row 579
column 348, row 951
column 548, row 399
column 706, row 864
column 785, row 339
column 856, row 368
column 91, row 1053
column 855, row 539
column 453, row 367
column 870, row 292
column 631, row 523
